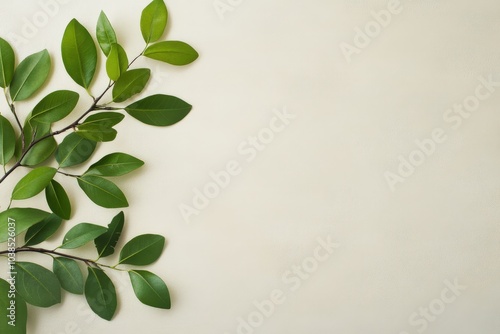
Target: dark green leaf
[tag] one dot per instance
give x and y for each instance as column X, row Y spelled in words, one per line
column 38, row 286
column 74, row 150
column 55, row 106
column 79, row 54
column 43, row 230
column 153, row 21
column 7, row 141
column 30, row 75
column 98, row 127
column 130, row 83
column 80, row 234
column 100, row 293
column 105, row 34
column 117, row 62
column 42, row 150
column 13, row 310
column 150, row 289
column 142, row 250
column 17, row 220
column 172, row 52
column 58, row 200
column 102, row 192
column 114, row 164
column 33, row 183
column 69, row 274
column 159, row 110
column 106, row 243
column 7, row 63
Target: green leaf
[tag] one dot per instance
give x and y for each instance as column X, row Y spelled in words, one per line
column 117, row 62
column 58, row 200
column 38, row 286
column 7, row 63
column 98, row 127
column 150, row 289
column 130, row 83
column 80, row 234
column 159, row 110
column 105, row 33
column 115, row 164
column 7, row 141
column 102, row 192
column 69, row 274
column 30, row 75
column 55, row 106
column 10, row 301
column 43, row 230
column 42, row 150
column 142, row 250
column 172, row 52
column 17, row 220
column 79, row 54
column 100, row 293
column 33, row 183
column 74, row 150
column 153, row 21
column 106, row 243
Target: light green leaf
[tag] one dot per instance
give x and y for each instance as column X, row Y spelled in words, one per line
column 80, row 234
column 142, row 250
column 7, row 141
column 17, row 220
column 69, row 274
column 74, row 150
column 55, row 106
column 98, row 127
column 105, row 33
column 100, row 293
column 130, row 83
column 42, row 150
column 43, row 230
column 159, row 110
column 150, row 289
column 102, row 192
column 11, row 302
column 58, row 200
column 106, row 243
column 33, row 183
column 30, row 75
column 115, row 164
column 79, row 54
column 172, row 52
column 7, row 63
column 117, row 62
column 38, row 286
column 153, row 21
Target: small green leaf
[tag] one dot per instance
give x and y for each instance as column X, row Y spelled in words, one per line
column 106, row 243
column 58, row 200
column 55, row 106
column 79, row 54
column 102, row 192
column 11, row 302
column 17, row 220
column 43, row 230
column 172, row 52
column 159, row 110
column 142, row 250
column 74, row 150
column 98, row 127
column 41, row 151
column 130, row 83
column 153, row 21
column 105, row 33
column 7, row 63
column 33, row 183
column 30, row 75
column 69, row 274
column 7, row 141
column 150, row 289
column 38, row 286
column 115, row 164
column 100, row 293
column 80, row 234
column 117, row 62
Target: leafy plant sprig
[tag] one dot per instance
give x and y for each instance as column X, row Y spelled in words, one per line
column 30, row 143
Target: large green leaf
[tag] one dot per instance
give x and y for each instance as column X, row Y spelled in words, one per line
column 69, row 274
column 102, row 192
column 99, row 127
column 13, row 310
column 130, row 83
column 17, row 220
column 55, row 106
column 159, row 110
column 100, row 293
column 142, row 250
column 80, row 234
column 114, row 164
column 117, row 62
column 74, row 150
column 7, row 63
column 105, row 33
column 44, row 149
column 153, row 21
column 7, row 141
column 150, row 289
column 58, row 200
column 172, row 52
column 43, row 230
column 79, row 53
column 37, row 285
column 106, row 242
column 33, row 183
column 30, row 75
